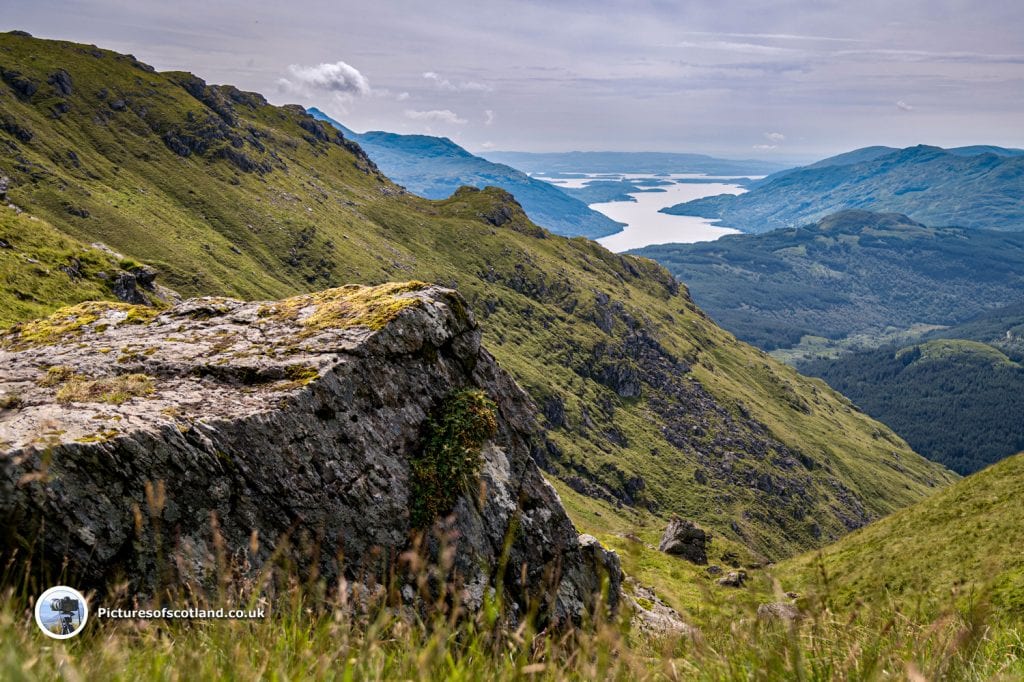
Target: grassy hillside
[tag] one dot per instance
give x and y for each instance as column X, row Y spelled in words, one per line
column 434, row 167
column 648, row 404
column 932, row 185
column 42, row 268
column 956, row 548
column 851, row 275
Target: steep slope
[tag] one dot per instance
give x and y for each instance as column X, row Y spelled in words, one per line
column 958, row 547
column 852, row 274
column 929, row 184
column 646, row 401
column 969, row 378
column 631, row 162
column 434, row 167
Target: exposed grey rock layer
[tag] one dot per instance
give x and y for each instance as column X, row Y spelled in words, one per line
column 293, row 420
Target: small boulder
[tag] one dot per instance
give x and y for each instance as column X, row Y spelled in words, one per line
column 685, row 539
column 778, row 611
column 733, row 579
column 653, row 616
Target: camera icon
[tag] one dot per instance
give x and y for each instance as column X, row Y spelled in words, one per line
column 61, row 612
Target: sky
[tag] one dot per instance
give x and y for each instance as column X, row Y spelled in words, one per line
column 782, row 80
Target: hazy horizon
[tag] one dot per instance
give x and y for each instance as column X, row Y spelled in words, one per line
column 789, row 83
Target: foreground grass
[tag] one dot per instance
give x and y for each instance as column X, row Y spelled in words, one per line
column 335, row 638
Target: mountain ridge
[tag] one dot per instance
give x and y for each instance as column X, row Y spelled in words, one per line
column 930, row 184
column 434, row 167
column 851, row 273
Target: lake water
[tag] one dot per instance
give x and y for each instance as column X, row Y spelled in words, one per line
column 644, row 224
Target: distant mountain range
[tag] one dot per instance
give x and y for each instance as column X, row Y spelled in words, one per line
column 968, row 378
column 434, row 167
column 851, row 273
column 632, row 162
column 975, row 187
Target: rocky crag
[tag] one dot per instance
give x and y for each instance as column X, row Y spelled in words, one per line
column 143, row 442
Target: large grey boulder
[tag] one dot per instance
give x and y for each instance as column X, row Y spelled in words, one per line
column 685, row 539
column 141, row 443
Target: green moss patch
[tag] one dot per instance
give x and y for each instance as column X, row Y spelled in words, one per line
column 450, row 460
column 72, row 321
column 348, row 306
column 114, row 390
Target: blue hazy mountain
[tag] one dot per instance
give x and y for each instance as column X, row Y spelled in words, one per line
column 974, row 187
column 434, row 167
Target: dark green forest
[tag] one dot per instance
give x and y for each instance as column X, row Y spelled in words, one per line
column 958, row 401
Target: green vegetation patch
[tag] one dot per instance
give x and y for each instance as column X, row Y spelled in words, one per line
column 958, row 548
column 347, row 306
column 450, row 460
column 114, row 390
column 71, row 321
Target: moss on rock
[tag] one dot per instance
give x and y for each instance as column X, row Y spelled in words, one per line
column 451, row 457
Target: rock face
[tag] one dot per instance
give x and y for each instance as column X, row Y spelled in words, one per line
column 686, row 539
column 143, row 443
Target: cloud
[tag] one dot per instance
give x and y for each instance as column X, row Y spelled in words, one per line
column 774, row 137
column 461, row 86
column 339, row 78
column 776, row 36
column 905, row 106
column 487, row 145
column 490, row 117
column 744, row 48
column 402, row 96
column 336, row 77
column 765, row 147
column 439, row 115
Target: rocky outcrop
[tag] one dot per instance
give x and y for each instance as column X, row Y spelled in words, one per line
column 685, row 539
column 157, row 444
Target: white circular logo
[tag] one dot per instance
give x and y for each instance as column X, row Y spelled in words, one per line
column 61, row 612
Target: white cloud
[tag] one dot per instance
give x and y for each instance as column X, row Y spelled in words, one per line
column 776, row 36
column 461, row 86
column 402, row 96
column 743, row 48
column 490, row 117
column 774, row 137
column 487, row 145
column 439, row 115
column 765, row 147
column 340, row 78
column 905, row 106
